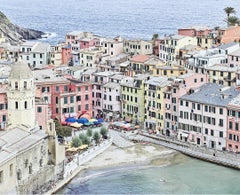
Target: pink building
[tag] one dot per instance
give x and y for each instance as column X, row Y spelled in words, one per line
column 203, row 116
column 88, row 42
column 184, row 84
column 66, row 54
column 43, row 113
column 231, row 34
column 3, row 107
column 194, row 31
column 65, row 97
column 233, row 121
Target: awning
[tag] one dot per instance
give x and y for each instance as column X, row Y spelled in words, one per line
column 185, row 134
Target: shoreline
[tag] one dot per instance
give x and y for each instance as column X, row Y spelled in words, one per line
column 115, row 159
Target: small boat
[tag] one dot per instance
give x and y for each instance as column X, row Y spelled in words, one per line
column 162, row 180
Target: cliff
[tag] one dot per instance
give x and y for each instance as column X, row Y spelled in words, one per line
column 15, row 33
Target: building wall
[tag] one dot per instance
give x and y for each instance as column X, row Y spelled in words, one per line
column 231, row 34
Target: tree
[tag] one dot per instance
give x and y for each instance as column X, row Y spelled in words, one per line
column 155, row 36
column 229, row 11
column 104, row 132
column 76, row 142
column 232, row 20
column 84, row 138
column 89, row 133
column 63, row 131
column 96, row 137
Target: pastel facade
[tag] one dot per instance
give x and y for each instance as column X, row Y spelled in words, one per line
column 169, row 49
column 222, row 74
column 35, row 54
column 112, row 47
column 231, row 34
column 132, row 89
column 66, row 54
column 91, row 57
column 56, row 54
column 154, row 103
column 3, row 107
column 233, row 120
column 112, row 100
column 169, row 71
column 99, row 79
column 203, row 116
column 137, row 64
column 234, row 58
column 179, row 86
column 135, row 47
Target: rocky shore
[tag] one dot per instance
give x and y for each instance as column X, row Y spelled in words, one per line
column 15, row 33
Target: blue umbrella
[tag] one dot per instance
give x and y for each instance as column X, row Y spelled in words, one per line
column 100, row 120
column 70, row 120
column 82, row 120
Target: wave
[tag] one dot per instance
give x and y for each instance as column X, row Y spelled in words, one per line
column 48, row 35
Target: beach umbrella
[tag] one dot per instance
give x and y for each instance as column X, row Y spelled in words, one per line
column 82, row 120
column 93, row 120
column 76, row 125
column 71, row 120
column 100, row 120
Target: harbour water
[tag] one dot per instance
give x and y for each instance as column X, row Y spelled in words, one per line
column 184, row 176
column 132, row 19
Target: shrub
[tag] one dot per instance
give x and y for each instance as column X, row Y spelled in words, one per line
column 96, row 137
column 76, row 142
column 84, row 138
column 104, row 132
column 89, row 133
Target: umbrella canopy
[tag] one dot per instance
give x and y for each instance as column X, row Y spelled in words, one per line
column 71, row 120
column 82, row 120
column 88, row 124
column 76, row 125
column 93, row 120
column 100, row 120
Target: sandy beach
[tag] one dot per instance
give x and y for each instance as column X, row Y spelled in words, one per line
column 138, row 154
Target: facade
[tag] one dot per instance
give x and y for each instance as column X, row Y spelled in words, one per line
column 36, row 54
column 137, row 64
column 179, row 86
column 135, row 47
column 233, row 119
column 56, row 55
column 111, row 100
column 154, row 103
column 25, row 148
column 231, row 34
column 132, row 89
column 222, row 74
column 169, row 48
column 203, row 116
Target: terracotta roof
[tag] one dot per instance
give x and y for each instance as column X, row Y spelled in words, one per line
column 140, row 58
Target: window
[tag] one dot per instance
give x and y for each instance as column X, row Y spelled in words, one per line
column 79, row 88
column 4, row 118
column 198, row 107
column 25, row 85
column 86, row 88
column 236, row 126
column 221, row 122
column 65, row 100
column 57, row 88
column 40, row 55
column 78, row 98
column 71, row 99
column 39, row 109
column 212, row 132
column 1, row 176
column 16, row 105
column 86, row 107
column 25, row 104
column 86, row 97
column 220, row 134
column 11, row 170
column 65, row 88
column 56, row 100
column 186, row 104
column 79, row 107
column 206, row 131
column 16, row 85
column 30, row 168
column 220, row 111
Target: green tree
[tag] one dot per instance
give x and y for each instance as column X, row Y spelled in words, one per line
column 63, row 131
column 76, row 142
column 89, row 133
column 96, row 137
column 229, row 11
column 104, row 132
column 155, row 36
column 84, row 138
column 232, row 20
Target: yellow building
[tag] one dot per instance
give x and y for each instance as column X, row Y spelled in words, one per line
column 154, row 102
column 169, row 49
column 169, row 71
column 132, row 89
column 2, row 38
column 222, row 74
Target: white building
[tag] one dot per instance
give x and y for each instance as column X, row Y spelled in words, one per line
column 36, row 54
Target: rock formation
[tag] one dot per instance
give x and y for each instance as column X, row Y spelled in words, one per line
column 15, row 33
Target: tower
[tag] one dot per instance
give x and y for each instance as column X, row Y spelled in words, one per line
column 21, row 97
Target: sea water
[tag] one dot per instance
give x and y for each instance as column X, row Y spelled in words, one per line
column 184, row 176
column 127, row 18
